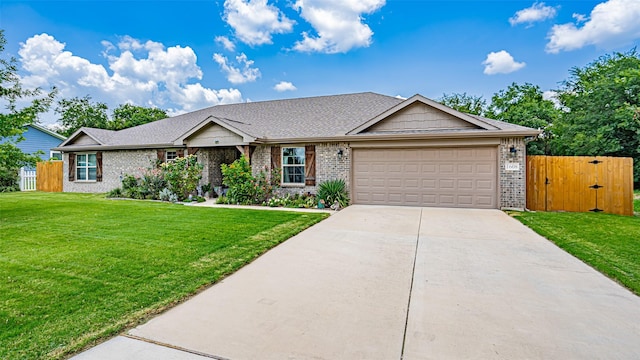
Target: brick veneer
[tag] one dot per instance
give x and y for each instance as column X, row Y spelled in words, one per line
column 512, row 193
column 115, row 164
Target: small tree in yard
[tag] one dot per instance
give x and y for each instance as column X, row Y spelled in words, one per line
column 182, row 175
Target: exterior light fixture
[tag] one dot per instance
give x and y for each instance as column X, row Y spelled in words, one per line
column 340, row 154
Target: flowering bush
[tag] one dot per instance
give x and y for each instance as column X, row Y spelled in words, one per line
column 182, row 175
column 244, row 188
column 292, row 201
column 173, row 181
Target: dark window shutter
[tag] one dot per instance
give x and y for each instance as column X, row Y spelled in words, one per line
column 99, row 166
column 180, row 152
column 161, row 157
column 275, row 157
column 310, row 165
column 72, row 167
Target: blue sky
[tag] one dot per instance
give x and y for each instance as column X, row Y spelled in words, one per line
column 186, row 55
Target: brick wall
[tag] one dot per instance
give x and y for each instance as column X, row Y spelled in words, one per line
column 328, row 165
column 511, row 174
column 115, row 164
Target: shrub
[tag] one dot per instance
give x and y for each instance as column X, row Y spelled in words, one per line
column 179, row 178
column 9, row 179
column 244, row 188
column 166, row 195
column 115, row 193
column 332, row 191
column 182, row 175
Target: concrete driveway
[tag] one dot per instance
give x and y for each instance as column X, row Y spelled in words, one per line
column 400, row 283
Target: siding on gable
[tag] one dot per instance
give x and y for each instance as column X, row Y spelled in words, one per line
column 420, row 117
column 84, row 140
column 214, row 135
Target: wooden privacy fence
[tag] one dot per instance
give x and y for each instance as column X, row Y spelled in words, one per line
column 49, row 176
column 580, row 184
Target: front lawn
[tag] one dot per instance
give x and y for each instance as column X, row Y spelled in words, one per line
column 609, row 243
column 77, row 268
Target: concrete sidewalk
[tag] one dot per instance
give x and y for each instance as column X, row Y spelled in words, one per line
column 483, row 286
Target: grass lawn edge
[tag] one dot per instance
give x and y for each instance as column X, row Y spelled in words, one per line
column 627, row 278
column 93, row 339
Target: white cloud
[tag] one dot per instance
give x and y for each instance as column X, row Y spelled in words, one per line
column 226, row 43
column 338, row 23
column 501, row 62
column 143, row 73
column 284, row 86
column 236, row 75
column 579, row 17
column 537, row 12
column 254, row 21
column 552, row 96
column 612, row 23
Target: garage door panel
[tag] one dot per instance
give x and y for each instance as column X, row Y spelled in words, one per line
column 450, row 177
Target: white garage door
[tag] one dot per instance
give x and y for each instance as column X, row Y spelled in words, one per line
column 446, row 177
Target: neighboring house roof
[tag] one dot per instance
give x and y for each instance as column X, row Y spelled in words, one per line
column 36, row 139
column 47, row 131
column 322, row 118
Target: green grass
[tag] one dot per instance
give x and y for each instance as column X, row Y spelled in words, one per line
column 78, row 268
column 609, row 243
column 636, row 202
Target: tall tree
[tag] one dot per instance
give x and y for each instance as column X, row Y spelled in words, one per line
column 81, row 112
column 525, row 105
column 14, row 119
column 469, row 104
column 126, row 116
column 602, row 104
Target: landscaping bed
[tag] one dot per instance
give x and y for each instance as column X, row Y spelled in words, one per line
column 79, row 268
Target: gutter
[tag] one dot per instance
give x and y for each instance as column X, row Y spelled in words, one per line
column 392, row 137
column 339, row 138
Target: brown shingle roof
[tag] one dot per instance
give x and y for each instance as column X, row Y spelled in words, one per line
column 312, row 117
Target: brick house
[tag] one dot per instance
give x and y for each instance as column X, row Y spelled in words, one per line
column 390, row 151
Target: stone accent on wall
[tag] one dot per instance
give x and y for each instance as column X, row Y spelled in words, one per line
column 512, row 174
column 211, row 158
column 115, row 164
column 328, row 165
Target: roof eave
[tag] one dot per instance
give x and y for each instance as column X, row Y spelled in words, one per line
column 78, row 148
column 412, row 136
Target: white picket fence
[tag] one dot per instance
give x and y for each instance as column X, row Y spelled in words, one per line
column 27, row 180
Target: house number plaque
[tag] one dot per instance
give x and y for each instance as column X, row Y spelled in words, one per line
column 512, row 166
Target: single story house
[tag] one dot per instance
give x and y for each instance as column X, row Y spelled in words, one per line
column 389, row 151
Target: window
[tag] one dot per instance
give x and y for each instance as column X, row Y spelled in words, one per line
column 86, row 167
column 293, row 165
column 171, row 155
column 55, row 155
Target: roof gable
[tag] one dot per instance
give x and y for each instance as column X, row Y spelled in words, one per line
column 214, row 131
column 87, row 136
column 418, row 114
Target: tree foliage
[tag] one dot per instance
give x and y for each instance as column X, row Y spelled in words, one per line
column 79, row 112
column 469, row 104
column 15, row 118
column 525, row 105
column 127, row 115
column 602, row 109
